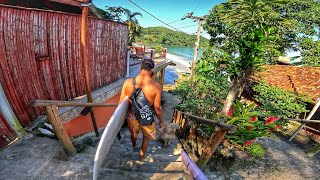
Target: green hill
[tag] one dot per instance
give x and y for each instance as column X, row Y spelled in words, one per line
column 162, row 35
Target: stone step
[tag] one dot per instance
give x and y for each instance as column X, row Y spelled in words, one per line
column 57, row 169
column 138, row 166
column 106, row 173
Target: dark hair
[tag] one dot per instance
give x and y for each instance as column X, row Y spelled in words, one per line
column 147, row 64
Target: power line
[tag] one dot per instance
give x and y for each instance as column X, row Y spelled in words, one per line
column 154, row 16
column 187, row 26
column 196, row 6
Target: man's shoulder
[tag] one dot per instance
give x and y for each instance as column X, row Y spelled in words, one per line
column 156, row 84
column 128, row 81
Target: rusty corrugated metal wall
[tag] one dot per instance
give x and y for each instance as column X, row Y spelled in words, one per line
column 40, row 56
column 6, row 133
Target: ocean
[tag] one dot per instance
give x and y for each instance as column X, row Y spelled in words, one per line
column 182, row 57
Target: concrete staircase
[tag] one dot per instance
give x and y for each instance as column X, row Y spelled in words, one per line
column 120, row 163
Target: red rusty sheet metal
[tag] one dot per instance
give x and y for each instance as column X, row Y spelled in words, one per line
column 40, row 54
column 7, row 135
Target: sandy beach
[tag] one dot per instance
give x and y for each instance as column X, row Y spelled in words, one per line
column 172, row 72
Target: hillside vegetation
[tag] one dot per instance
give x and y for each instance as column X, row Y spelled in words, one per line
column 162, row 35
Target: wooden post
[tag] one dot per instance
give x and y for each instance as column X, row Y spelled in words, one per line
column 61, row 133
column 152, row 54
column 196, row 48
column 162, row 78
column 211, row 147
column 164, row 53
column 314, row 109
column 85, row 61
column 128, row 62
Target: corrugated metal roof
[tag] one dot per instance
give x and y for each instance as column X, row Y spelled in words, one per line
column 303, row 80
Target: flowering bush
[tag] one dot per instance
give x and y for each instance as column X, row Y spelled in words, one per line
column 251, row 124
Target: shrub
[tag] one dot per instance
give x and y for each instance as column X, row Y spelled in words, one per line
column 255, row 150
column 278, row 101
column 251, row 124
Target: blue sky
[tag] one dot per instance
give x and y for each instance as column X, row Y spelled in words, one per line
column 166, row 10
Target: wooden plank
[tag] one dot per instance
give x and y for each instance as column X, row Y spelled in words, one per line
column 211, row 147
column 61, row 133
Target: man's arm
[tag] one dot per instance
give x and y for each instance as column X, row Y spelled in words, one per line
column 123, row 91
column 157, row 106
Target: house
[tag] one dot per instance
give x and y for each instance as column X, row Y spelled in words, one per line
column 40, row 58
column 300, row 79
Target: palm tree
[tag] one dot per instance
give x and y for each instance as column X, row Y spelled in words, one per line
column 133, row 24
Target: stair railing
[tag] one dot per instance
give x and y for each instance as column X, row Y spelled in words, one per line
column 199, row 145
column 56, row 122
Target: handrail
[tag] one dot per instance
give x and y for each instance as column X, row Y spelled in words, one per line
column 223, row 126
column 40, row 103
column 109, row 134
column 199, row 146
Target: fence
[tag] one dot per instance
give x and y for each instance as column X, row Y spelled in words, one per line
column 40, row 56
column 199, row 145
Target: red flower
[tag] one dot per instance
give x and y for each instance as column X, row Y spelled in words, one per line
column 272, row 119
column 225, row 141
column 249, row 128
column 276, row 119
column 278, row 127
column 230, row 111
column 248, row 143
column 253, row 119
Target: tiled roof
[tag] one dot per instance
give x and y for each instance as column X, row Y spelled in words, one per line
column 304, row 80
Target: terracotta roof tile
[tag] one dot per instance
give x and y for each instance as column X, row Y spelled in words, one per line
column 304, row 79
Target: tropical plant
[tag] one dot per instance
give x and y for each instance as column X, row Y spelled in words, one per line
column 251, row 124
column 165, row 36
column 310, row 52
column 278, row 101
column 203, row 94
column 116, row 14
column 133, row 24
column 112, row 13
column 250, row 33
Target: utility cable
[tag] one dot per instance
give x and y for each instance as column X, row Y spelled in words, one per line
column 186, row 26
column 154, row 16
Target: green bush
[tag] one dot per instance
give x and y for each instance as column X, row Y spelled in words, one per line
column 278, row 101
column 251, row 124
column 255, row 150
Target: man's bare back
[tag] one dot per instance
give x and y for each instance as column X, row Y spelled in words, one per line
column 152, row 92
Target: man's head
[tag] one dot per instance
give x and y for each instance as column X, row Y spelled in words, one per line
column 147, row 65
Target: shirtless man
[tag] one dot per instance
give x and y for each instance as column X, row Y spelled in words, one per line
column 152, row 92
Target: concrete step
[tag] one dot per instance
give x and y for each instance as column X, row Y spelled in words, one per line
column 137, row 166
column 57, row 169
column 106, row 173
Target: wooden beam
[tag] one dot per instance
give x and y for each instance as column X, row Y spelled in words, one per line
column 223, row 126
column 84, row 24
column 161, row 65
column 211, row 147
column 162, row 78
column 61, row 133
column 42, row 103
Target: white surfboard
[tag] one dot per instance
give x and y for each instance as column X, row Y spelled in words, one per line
column 109, row 134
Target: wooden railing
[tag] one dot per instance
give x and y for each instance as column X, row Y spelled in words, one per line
column 199, row 145
column 51, row 107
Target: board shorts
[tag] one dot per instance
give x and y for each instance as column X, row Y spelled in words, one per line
column 134, row 128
